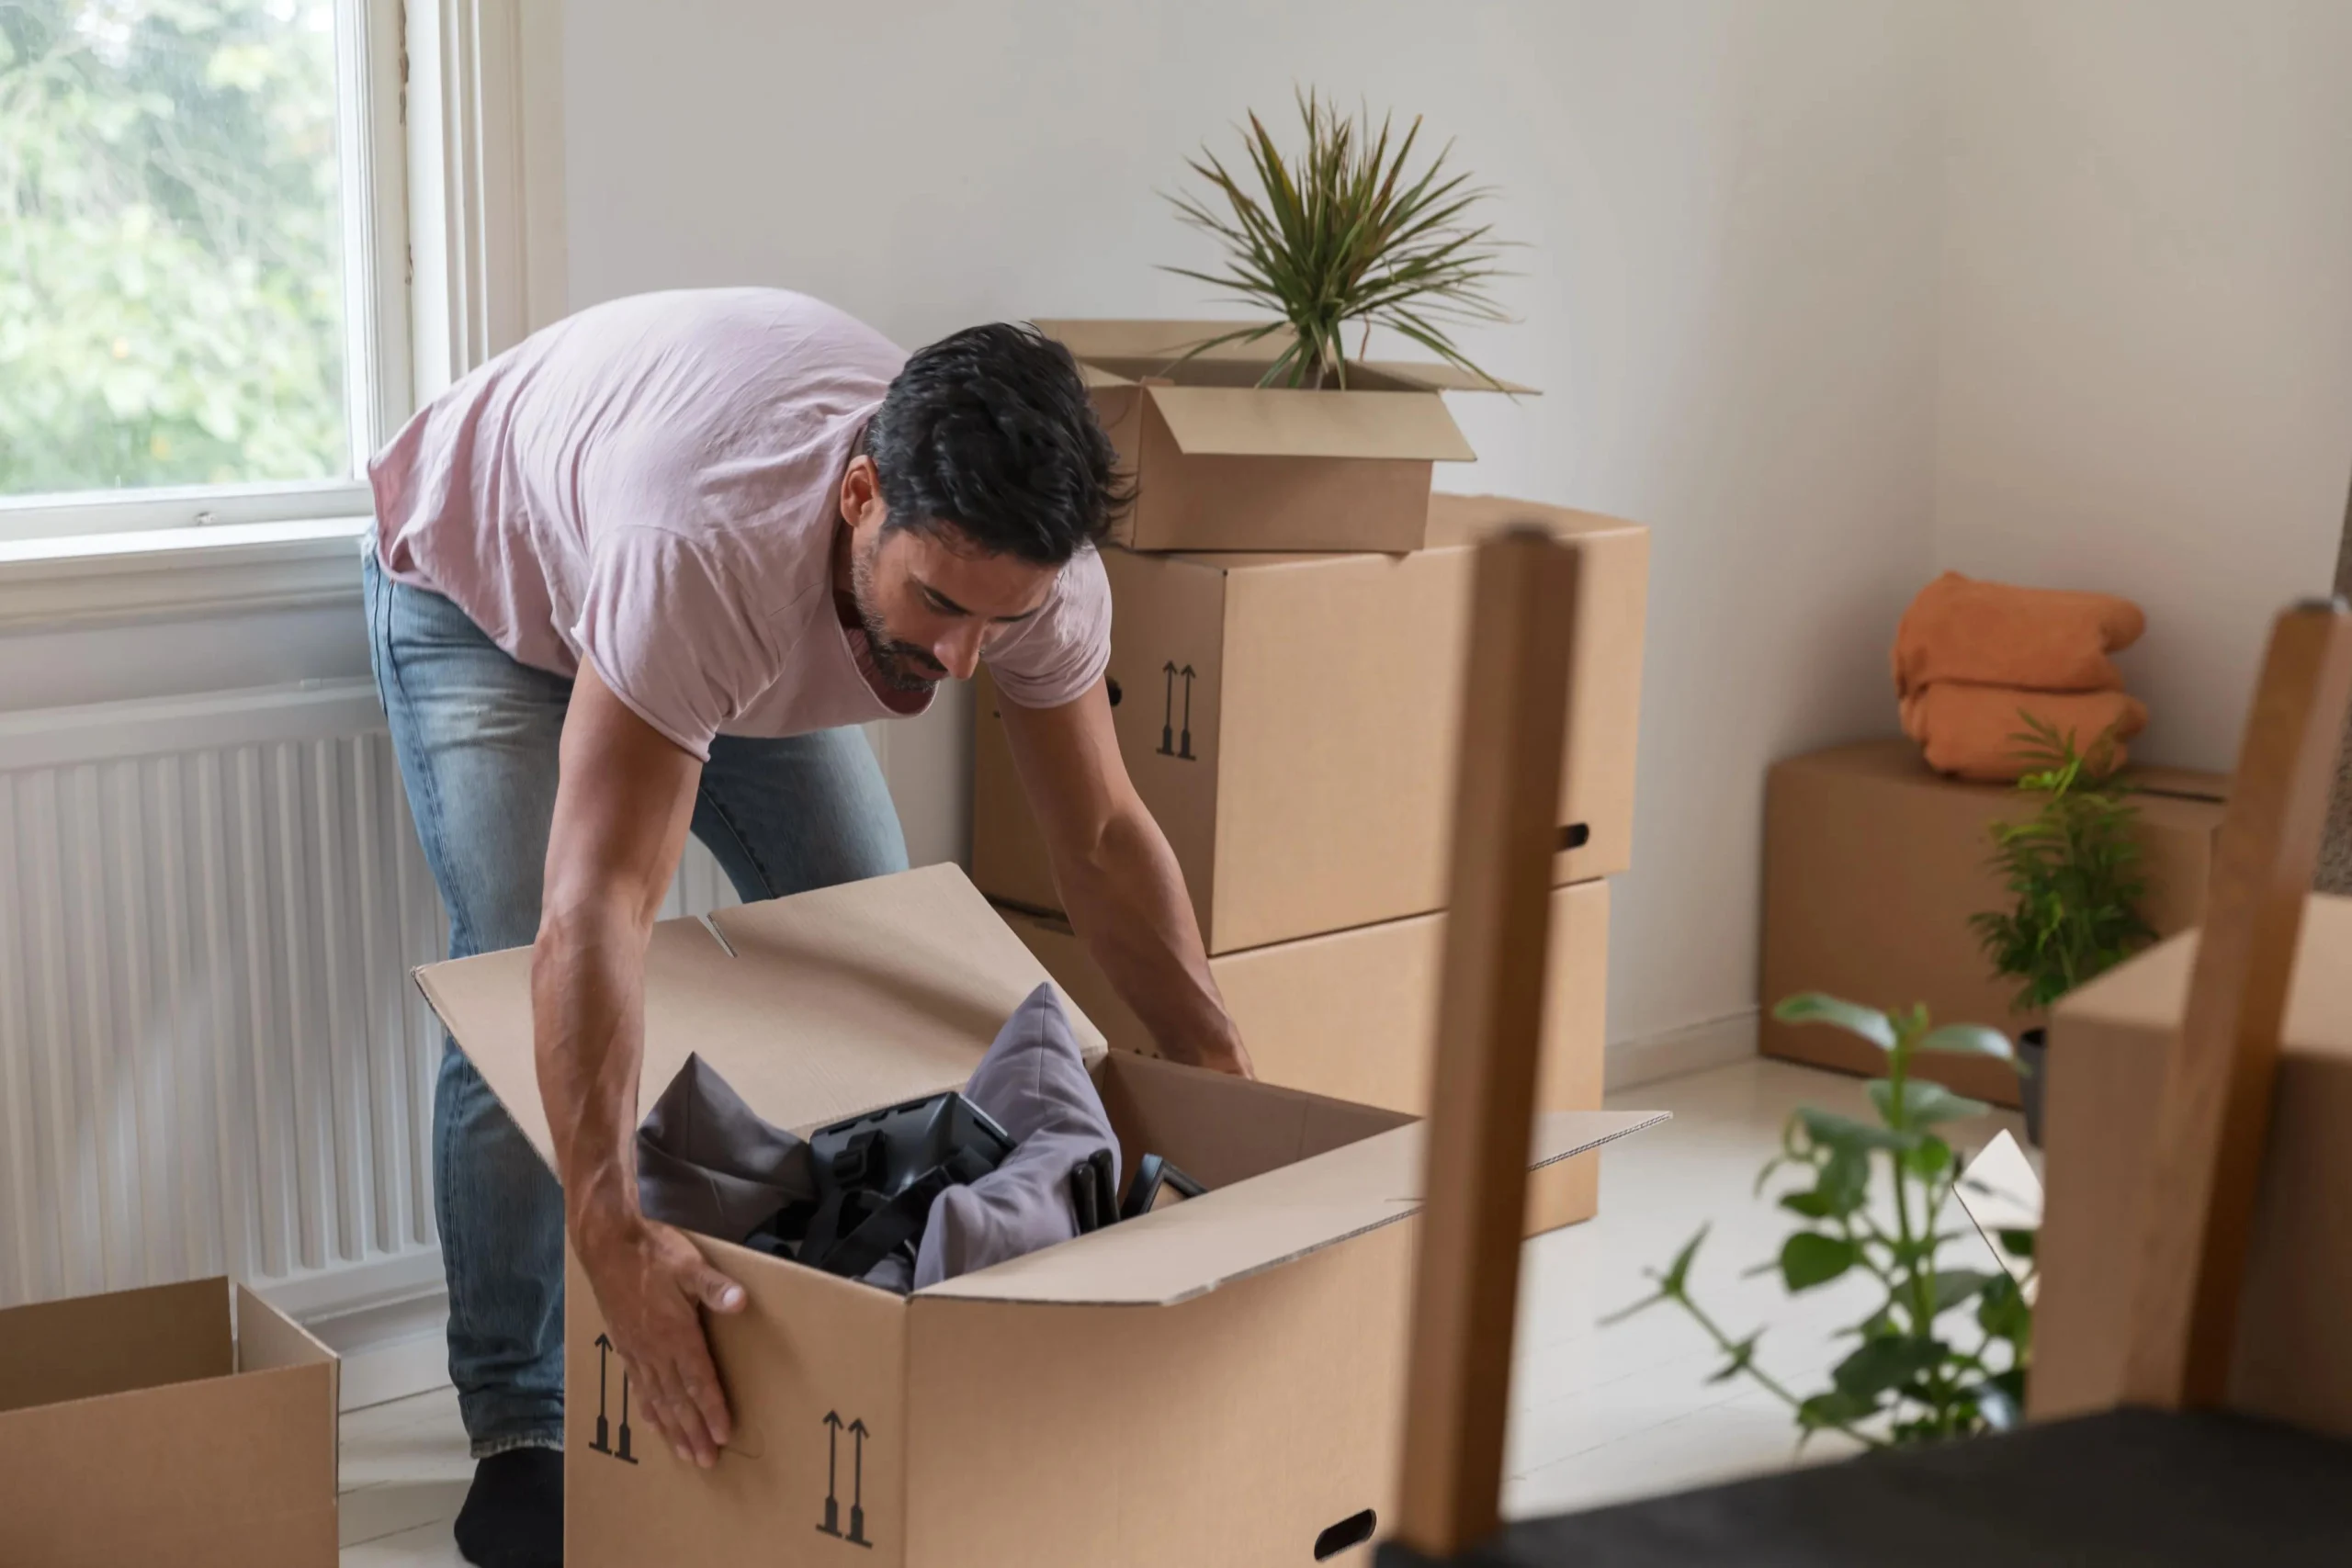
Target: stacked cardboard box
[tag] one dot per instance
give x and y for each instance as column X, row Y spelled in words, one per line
column 1286, row 699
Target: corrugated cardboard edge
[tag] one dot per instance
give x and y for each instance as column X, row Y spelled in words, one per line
column 974, row 1287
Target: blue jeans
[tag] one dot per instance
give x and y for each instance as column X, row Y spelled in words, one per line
column 476, row 734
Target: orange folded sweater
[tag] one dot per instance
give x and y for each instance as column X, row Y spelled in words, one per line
column 1972, row 731
column 1991, row 634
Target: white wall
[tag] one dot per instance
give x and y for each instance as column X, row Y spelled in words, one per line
column 2147, row 347
column 1731, row 211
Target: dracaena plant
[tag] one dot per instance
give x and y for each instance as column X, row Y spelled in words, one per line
column 1344, row 231
column 2071, row 871
column 1944, row 1352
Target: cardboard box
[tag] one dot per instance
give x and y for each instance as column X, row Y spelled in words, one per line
column 1290, row 720
column 1220, row 463
column 1353, row 1015
column 1218, row 1381
column 1872, row 864
column 2293, row 1359
column 148, row 1426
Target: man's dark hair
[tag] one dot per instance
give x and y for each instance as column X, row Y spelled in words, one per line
column 990, row 432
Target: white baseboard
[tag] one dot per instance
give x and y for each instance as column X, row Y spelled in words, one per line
column 1716, row 1042
column 388, row 1319
column 391, row 1351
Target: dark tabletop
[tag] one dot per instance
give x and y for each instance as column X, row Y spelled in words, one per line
column 2131, row 1486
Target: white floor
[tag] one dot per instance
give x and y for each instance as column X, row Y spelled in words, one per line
column 1601, row 1414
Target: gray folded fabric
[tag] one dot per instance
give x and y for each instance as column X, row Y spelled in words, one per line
column 1034, row 1081
column 708, row 1164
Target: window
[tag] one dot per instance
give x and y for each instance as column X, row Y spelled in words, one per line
column 202, row 306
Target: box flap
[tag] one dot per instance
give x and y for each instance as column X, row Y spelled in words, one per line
column 1096, row 378
column 1190, row 1248
column 1275, row 422
column 830, row 1003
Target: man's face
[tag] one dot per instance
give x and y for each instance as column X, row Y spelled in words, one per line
column 929, row 600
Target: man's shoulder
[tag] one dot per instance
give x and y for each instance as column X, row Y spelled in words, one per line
column 755, row 310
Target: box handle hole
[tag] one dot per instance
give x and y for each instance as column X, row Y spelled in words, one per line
column 1354, row 1531
column 1575, row 836
column 1115, row 693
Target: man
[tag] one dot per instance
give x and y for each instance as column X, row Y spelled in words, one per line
column 644, row 574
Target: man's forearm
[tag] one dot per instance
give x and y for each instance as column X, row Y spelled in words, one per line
column 587, row 995
column 1127, row 902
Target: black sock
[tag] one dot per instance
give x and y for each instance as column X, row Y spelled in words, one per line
column 514, row 1512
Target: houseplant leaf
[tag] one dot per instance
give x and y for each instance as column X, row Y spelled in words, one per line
column 1844, row 1133
column 1810, row 1259
column 1969, row 1040
column 1886, row 1362
column 1926, row 1103
column 1812, row 1006
column 1954, row 1286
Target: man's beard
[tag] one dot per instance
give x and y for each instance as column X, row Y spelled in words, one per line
column 903, row 666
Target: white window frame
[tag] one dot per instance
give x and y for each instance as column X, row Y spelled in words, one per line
column 379, row 390
column 462, row 236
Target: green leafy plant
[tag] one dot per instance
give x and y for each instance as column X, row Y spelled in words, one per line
column 1344, row 233
column 2072, row 871
column 1910, row 1378
column 171, row 269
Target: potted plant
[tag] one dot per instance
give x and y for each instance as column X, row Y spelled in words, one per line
column 1944, row 1353
column 1345, row 232
column 2072, row 871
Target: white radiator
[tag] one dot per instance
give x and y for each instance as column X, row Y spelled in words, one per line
column 212, row 1056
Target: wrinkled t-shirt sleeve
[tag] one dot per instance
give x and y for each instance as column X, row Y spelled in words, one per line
column 1052, row 660
column 672, row 634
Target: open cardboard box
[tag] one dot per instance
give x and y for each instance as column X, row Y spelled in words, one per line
column 1218, row 1381
column 1291, row 722
column 1223, row 464
column 1353, row 1014
column 147, row 1426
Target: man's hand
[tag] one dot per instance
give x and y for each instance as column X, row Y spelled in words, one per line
column 1118, row 878
column 649, row 1281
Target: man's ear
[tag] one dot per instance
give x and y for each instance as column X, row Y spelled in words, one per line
column 861, row 493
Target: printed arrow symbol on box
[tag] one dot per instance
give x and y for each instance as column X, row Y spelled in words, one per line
column 857, row 1489
column 833, row 1450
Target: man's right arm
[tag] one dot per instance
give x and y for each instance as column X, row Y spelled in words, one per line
column 622, row 809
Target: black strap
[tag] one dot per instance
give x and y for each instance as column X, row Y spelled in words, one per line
column 882, row 1230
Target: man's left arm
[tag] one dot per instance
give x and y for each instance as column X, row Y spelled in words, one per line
column 1119, row 880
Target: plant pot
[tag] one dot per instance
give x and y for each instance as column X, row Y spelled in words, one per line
column 2034, row 1054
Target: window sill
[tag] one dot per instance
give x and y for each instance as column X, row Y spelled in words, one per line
column 176, row 573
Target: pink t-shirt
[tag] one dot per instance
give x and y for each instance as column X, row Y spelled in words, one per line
column 652, row 485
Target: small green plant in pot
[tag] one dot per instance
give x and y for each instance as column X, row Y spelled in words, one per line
column 1944, row 1352
column 1344, row 233
column 2071, row 871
